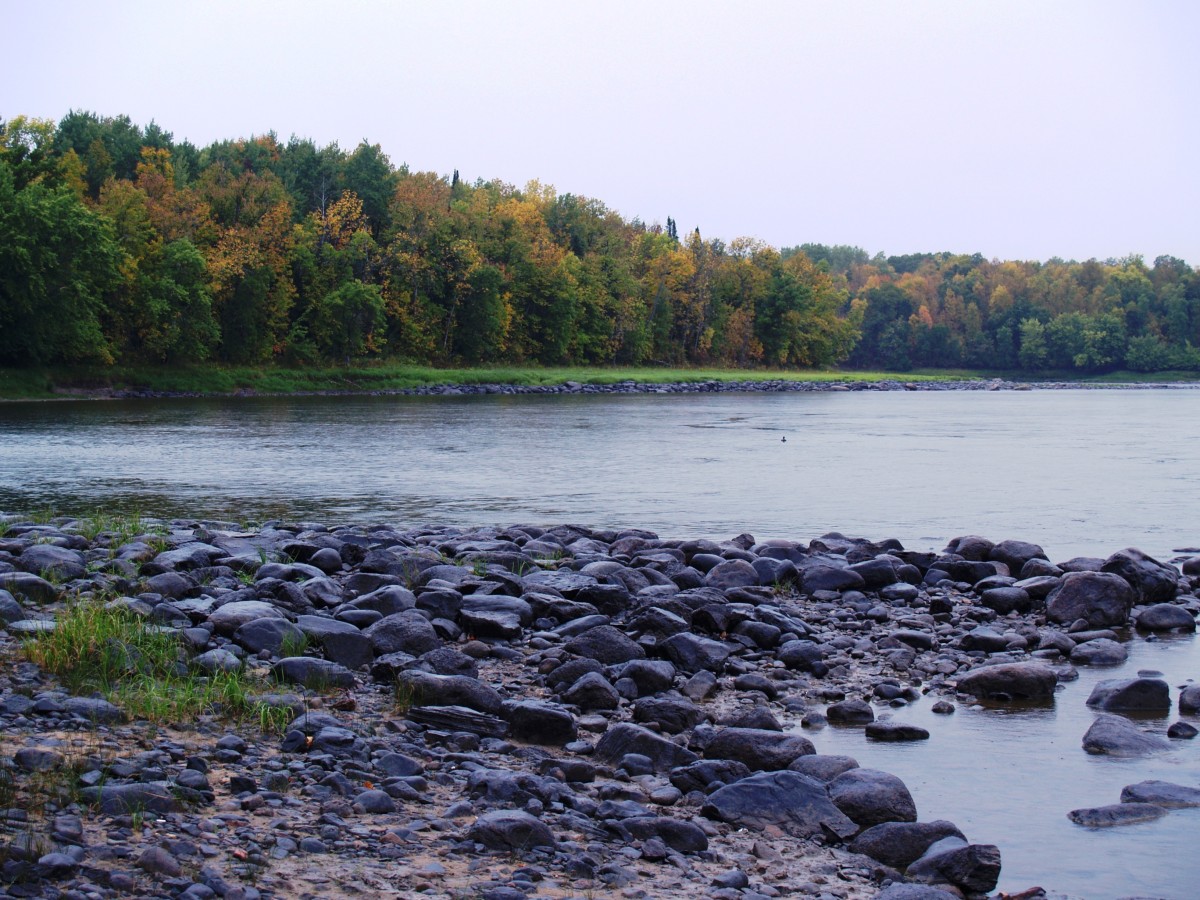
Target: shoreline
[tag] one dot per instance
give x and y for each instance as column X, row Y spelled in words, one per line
column 455, row 389
column 545, row 710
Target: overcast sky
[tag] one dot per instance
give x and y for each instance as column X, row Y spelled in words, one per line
column 1017, row 129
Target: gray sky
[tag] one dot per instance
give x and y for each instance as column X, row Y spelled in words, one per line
column 1020, row 130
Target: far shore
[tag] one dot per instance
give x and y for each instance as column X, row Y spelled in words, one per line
column 216, row 381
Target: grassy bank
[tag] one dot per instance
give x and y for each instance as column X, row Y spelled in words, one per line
column 31, row 384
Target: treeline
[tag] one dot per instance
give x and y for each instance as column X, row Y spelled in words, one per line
column 944, row 310
column 119, row 244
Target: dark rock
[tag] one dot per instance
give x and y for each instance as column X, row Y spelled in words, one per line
column 759, row 749
column 1100, row 598
column 850, row 712
column 592, row 691
column 606, row 645
column 899, row 844
column 1005, row 600
column 375, row 801
column 1115, row 736
column 1025, row 681
column 730, row 574
column 822, row 767
column 973, row 868
column 870, row 797
column 794, row 803
column 119, row 799
column 1015, row 554
column 685, row 837
column 899, row 890
column 537, row 722
column 691, row 653
column 312, row 672
column 93, row 709
column 1189, row 699
column 1161, row 793
column 674, row 715
column 896, row 731
column 428, row 689
column 1117, row 814
column 1101, row 652
column 625, row 738
column 1152, row 581
column 227, row 619
column 459, row 719
column 1131, row 695
column 822, row 577
column 708, row 774
column 1165, row 617
column 510, row 830
column 49, row 559
column 27, row 587
column 268, row 634
column 403, row 632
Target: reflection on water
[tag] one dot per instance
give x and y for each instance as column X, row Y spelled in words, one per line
column 1080, row 472
column 1009, row 776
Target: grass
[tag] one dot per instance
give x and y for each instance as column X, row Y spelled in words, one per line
column 19, row 384
column 121, row 529
column 138, row 667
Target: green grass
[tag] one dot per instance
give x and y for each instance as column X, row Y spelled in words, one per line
column 18, row 384
column 120, row 529
column 136, row 666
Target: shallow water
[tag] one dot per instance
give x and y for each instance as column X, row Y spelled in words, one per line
column 1010, row 776
column 1080, row 472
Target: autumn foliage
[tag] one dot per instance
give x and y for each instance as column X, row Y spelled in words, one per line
column 119, row 244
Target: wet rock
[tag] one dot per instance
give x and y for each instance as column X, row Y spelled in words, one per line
column 730, row 574
column 673, row 715
column 896, row 731
column 592, row 691
column 760, row 750
column 1115, row 736
column 48, row 559
column 28, row 588
column 1165, row 617
column 899, row 844
column 1015, row 554
column 1024, row 681
column 1131, row 695
column 1161, row 793
column 118, row 799
column 1100, row 598
column 679, row 835
column 708, row 774
column 870, row 797
column 94, row 710
column 1102, row 652
column 10, row 609
column 1116, row 814
column 899, row 890
column 823, row 768
column 850, row 712
column 794, row 803
column 973, row 868
column 1189, row 699
column 268, row 634
column 428, row 689
column 1004, row 600
column 227, row 619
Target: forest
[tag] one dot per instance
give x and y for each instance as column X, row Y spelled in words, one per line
column 119, row 244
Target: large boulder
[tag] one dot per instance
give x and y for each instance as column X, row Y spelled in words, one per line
column 49, row 559
column 1115, row 736
column 626, row 738
column 1161, row 793
column 1015, row 554
column 1131, row 695
column 428, row 689
column 407, row 632
column 692, row 653
column 871, row 797
column 606, row 645
column 227, row 619
column 758, row 748
column 1102, row 599
column 1010, row 681
column 1152, row 581
column 1165, row 617
column 512, row 830
column 898, row 844
column 789, row 801
column 972, row 868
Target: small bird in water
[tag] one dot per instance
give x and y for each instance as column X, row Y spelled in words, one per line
column 783, row 439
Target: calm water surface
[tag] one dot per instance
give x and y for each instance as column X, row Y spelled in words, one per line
column 1079, row 472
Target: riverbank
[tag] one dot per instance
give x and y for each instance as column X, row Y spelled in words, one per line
column 527, row 711
column 218, row 381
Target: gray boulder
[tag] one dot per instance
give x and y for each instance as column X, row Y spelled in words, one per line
column 1131, row 695
column 1152, row 581
column 1100, row 652
column 312, row 672
column 899, row 844
column 1161, row 793
column 1116, row 814
column 227, row 619
column 606, row 645
column 513, row 830
column 871, row 797
column 973, row 868
column 759, row 749
column 1189, row 699
column 1165, row 617
column 692, row 653
column 405, row 632
column 1115, row 736
column 268, row 633
column 1022, row 681
column 428, row 689
column 794, row 803
column 625, row 738
column 50, row 559
column 1100, row 598
column 536, row 722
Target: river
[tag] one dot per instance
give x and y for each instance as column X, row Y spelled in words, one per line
column 1079, row 472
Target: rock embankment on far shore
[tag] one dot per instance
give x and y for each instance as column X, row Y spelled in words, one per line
column 546, row 712
column 775, row 386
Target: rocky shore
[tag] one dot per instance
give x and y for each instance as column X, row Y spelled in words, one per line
column 544, row 712
column 642, row 387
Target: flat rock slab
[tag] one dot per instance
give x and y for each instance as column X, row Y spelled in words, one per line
column 1161, row 793
column 1010, row 681
column 794, row 803
column 896, row 731
column 1116, row 814
column 1115, row 736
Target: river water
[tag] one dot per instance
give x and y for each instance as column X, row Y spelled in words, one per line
column 1079, row 472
